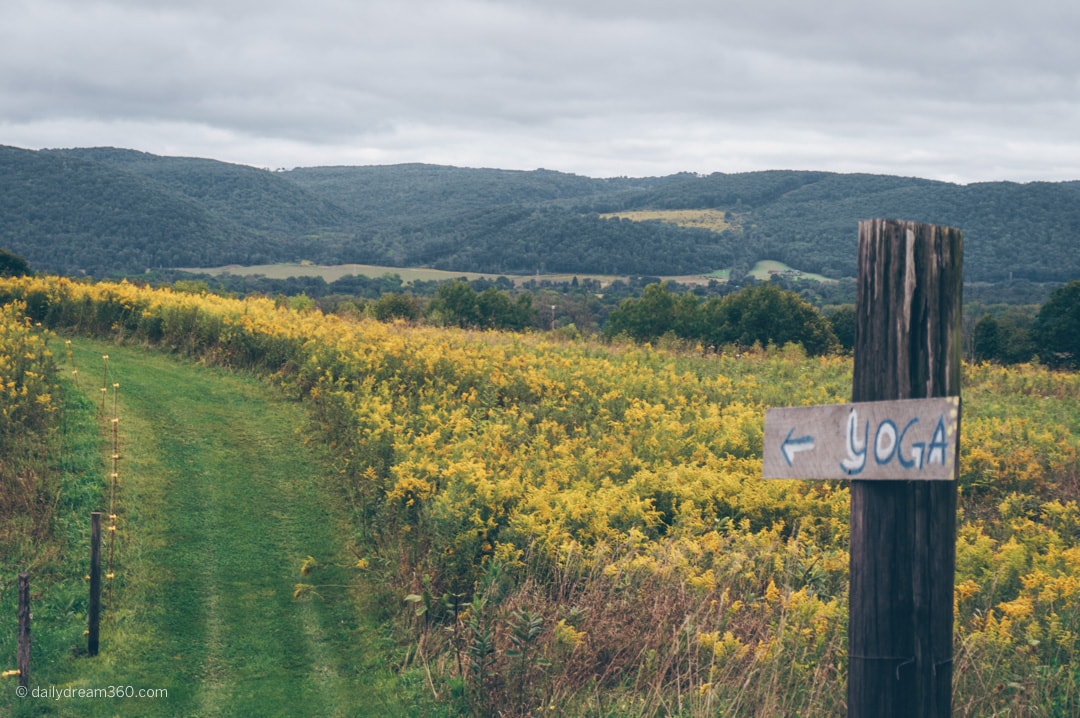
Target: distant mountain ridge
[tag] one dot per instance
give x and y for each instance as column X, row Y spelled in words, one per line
column 108, row 211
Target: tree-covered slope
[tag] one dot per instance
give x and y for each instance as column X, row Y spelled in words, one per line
column 499, row 220
column 254, row 198
column 114, row 211
column 106, row 211
column 388, row 196
column 67, row 214
column 1010, row 230
column 517, row 239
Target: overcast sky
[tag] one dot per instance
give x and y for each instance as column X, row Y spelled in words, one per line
column 947, row 89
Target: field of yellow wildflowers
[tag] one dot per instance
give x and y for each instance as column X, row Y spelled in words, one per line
column 582, row 528
column 27, row 408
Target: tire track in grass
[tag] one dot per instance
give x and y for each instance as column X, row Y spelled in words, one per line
column 220, row 504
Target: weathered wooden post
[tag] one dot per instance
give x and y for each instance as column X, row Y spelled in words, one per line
column 898, row 443
column 23, row 652
column 903, row 533
column 94, row 610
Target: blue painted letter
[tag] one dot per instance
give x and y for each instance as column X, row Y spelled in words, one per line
column 856, row 450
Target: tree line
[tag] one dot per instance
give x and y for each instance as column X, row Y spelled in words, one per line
column 647, row 309
column 762, row 314
column 1052, row 335
column 756, row 313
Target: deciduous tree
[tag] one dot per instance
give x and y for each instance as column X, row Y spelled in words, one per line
column 1057, row 327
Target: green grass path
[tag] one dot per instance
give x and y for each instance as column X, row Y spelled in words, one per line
column 220, row 503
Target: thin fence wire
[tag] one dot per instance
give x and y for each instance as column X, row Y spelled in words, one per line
column 114, row 476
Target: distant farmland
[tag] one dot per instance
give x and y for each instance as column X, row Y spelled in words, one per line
column 767, row 268
column 762, row 271
column 334, row 272
column 409, row 274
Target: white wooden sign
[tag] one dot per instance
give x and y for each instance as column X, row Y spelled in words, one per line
column 906, row 439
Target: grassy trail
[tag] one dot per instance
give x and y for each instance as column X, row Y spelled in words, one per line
column 220, row 503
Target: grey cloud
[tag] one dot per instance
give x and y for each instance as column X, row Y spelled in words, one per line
column 958, row 89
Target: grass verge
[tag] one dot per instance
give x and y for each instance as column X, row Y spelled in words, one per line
column 220, row 504
column 58, row 561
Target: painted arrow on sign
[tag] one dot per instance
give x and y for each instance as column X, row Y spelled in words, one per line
column 907, row 439
column 791, row 446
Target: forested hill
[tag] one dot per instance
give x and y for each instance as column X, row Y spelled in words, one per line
column 109, row 211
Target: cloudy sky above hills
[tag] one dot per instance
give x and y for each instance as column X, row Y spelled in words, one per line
column 949, row 89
